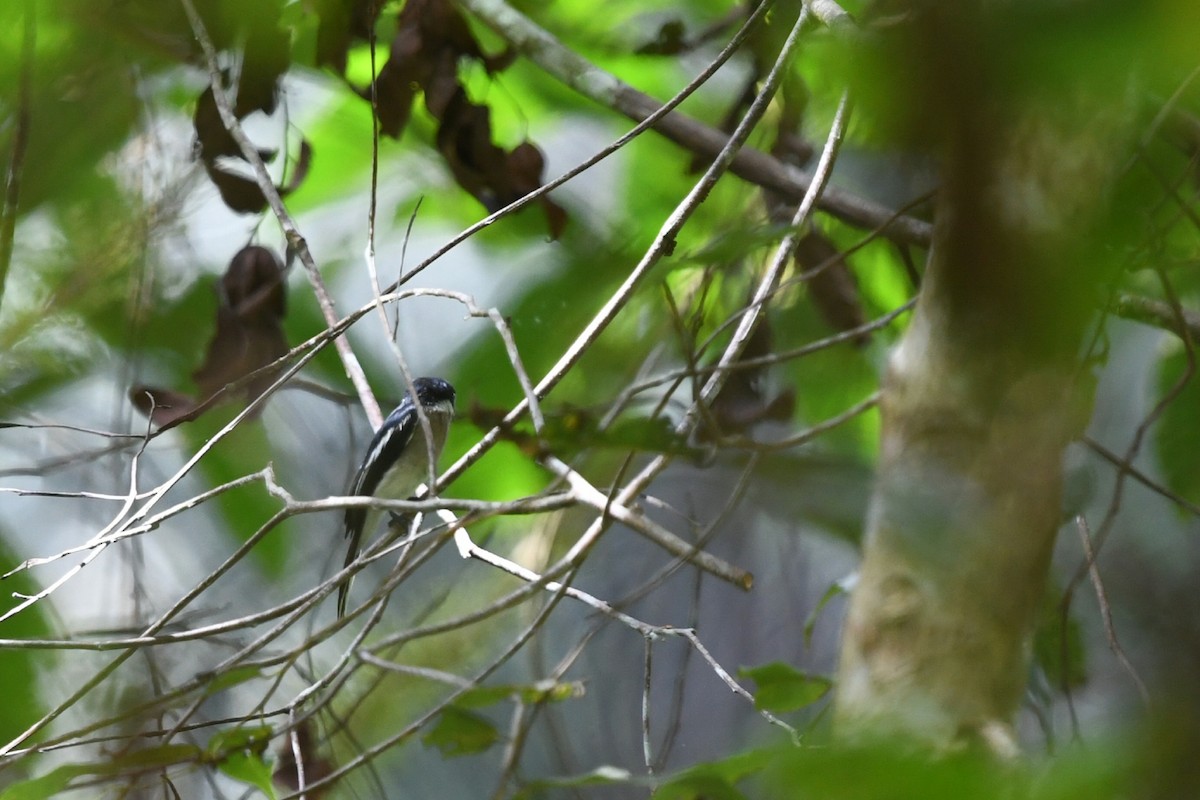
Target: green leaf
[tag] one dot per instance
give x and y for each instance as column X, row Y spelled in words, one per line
column 151, row 757
column 782, row 687
column 239, row 739
column 58, row 780
column 1055, row 639
column 459, row 733
column 233, row 677
column 883, row 773
column 542, row 692
column 1177, row 436
column 249, row 768
column 836, row 589
column 699, row 787
column 47, row 785
column 240, row 753
column 715, row 779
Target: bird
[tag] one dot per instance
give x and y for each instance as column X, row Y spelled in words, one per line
column 397, row 461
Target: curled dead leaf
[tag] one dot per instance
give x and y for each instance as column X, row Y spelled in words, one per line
column 252, row 303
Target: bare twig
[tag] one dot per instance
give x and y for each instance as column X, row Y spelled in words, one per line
column 833, row 15
column 1139, row 476
column 1124, row 468
column 1158, row 314
column 644, row 125
column 90, row 684
column 808, row 434
column 374, row 751
column 753, row 165
column 588, row 494
column 729, row 681
column 468, row 549
column 662, row 245
column 1110, row 631
column 783, row 256
column 100, row 542
column 647, row 672
column 639, row 482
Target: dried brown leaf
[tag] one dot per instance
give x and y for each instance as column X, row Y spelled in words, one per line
column 833, row 289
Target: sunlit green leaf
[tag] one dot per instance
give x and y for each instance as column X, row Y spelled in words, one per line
column 249, row 768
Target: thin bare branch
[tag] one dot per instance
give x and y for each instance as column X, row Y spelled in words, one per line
column 1157, row 313
column 753, row 165
column 1110, row 631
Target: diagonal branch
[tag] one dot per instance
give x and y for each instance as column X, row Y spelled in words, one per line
column 540, row 47
column 1158, row 314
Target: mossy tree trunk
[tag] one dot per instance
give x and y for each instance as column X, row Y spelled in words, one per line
column 981, row 398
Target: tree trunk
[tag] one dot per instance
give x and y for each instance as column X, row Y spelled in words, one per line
column 980, row 399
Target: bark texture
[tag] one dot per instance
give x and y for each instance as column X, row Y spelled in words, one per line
column 980, row 399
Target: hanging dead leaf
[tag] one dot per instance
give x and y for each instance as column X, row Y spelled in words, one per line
column 431, row 38
column 441, row 86
column 165, row 408
column 493, row 176
column 525, row 166
column 669, row 41
column 249, row 336
column 316, row 767
column 214, row 143
column 266, row 57
column 398, row 82
column 465, row 141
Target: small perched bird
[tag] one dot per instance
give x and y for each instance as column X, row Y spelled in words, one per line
column 397, row 462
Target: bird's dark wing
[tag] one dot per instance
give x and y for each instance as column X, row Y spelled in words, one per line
column 386, row 446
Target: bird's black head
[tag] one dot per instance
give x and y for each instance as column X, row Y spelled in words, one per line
column 433, row 392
